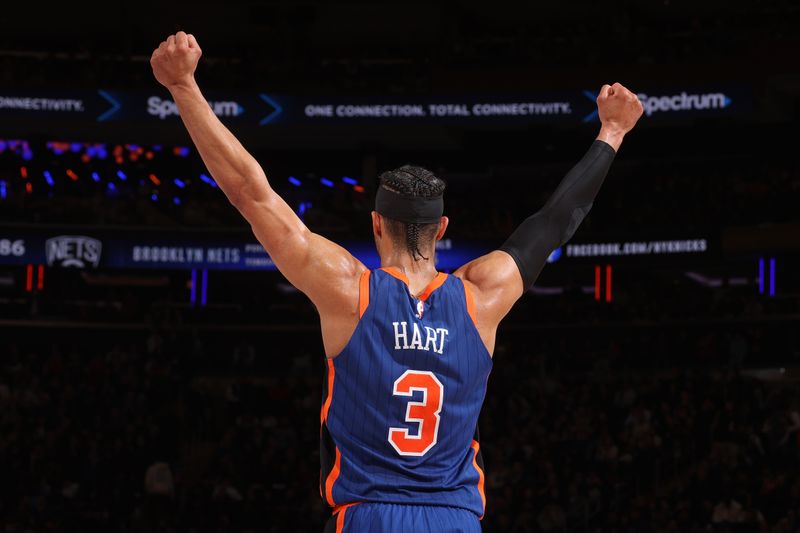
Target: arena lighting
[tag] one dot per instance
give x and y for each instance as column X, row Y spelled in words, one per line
column 179, row 183
column 547, row 290
column 302, row 208
column 96, row 177
column 23, row 171
column 326, row 182
column 704, row 280
column 181, row 151
column 121, row 175
column 29, row 278
column 608, row 283
column 294, row 181
column 72, row 175
column 176, row 201
column 358, row 188
column 27, row 155
column 40, row 278
column 597, row 274
column 193, row 288
column 29, row 187
column 154, row 197
column 204, row 288
column 772, row 276
column 348, row 180
column 48, row 178
column 3, row 191
column 154, row 179
column 111, row 186
column 761, row 275
column 208, row 180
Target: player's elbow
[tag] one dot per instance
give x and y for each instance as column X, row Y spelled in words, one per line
column 255, row 207
column 251, row 192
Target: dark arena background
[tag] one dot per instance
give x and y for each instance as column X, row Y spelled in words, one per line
column 158, row 374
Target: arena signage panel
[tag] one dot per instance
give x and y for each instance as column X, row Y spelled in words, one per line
column 263, row 108
column 239, row 251
column 151, row 250
column 654, row 247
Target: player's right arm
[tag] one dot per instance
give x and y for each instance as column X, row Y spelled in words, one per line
column 498, row 279
column 324, row 271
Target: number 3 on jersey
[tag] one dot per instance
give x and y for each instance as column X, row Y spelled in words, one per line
column 424, row 413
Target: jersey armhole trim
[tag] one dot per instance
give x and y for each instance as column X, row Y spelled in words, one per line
column 323, row 415
column 363, row 293
column 470, row 303
column 476, row 447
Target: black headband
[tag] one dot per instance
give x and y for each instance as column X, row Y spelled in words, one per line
column 409, row 209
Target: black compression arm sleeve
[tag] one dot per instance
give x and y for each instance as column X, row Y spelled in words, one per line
column 556, row 222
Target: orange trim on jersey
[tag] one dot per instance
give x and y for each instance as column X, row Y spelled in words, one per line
column 432, row 286
column 332, row 477
column 344, row 506
column 340, row 521
column 323, row 415
column 363, row 293
column 341, row 510
column 394, row 272
column 476, row 448
column 470, row 303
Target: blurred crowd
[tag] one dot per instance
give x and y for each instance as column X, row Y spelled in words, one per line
column 665, row 451
column 186, row 431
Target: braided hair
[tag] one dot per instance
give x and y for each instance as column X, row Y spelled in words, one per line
column 409, row 180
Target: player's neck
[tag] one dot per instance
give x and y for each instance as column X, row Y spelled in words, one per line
column 419, row 273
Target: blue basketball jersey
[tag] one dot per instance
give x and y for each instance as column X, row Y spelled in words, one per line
column 401, row 401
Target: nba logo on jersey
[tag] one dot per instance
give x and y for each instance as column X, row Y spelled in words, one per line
column 420, row 308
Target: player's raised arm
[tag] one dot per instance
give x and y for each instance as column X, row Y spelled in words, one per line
column 499, row 278
column 324, row 271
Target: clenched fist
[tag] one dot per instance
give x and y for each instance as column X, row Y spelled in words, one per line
column 175, row 60
column 618, row 108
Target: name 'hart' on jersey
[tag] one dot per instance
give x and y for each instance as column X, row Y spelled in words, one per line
column 434, row 337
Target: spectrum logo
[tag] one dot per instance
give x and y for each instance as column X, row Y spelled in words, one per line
column 684, row 102
column 162, row 108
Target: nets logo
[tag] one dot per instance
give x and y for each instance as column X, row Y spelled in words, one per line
column 684, row 102
column 73, row 251
column 165, row 108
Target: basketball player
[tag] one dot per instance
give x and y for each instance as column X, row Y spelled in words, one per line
column 408, row 349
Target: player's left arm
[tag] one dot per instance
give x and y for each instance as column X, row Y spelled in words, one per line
column 498, row 279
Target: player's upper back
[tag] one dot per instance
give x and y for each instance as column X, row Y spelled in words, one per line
column 403, row 397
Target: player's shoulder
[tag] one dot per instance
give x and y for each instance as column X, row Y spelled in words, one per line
column 494, row 283
column 487, row 271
